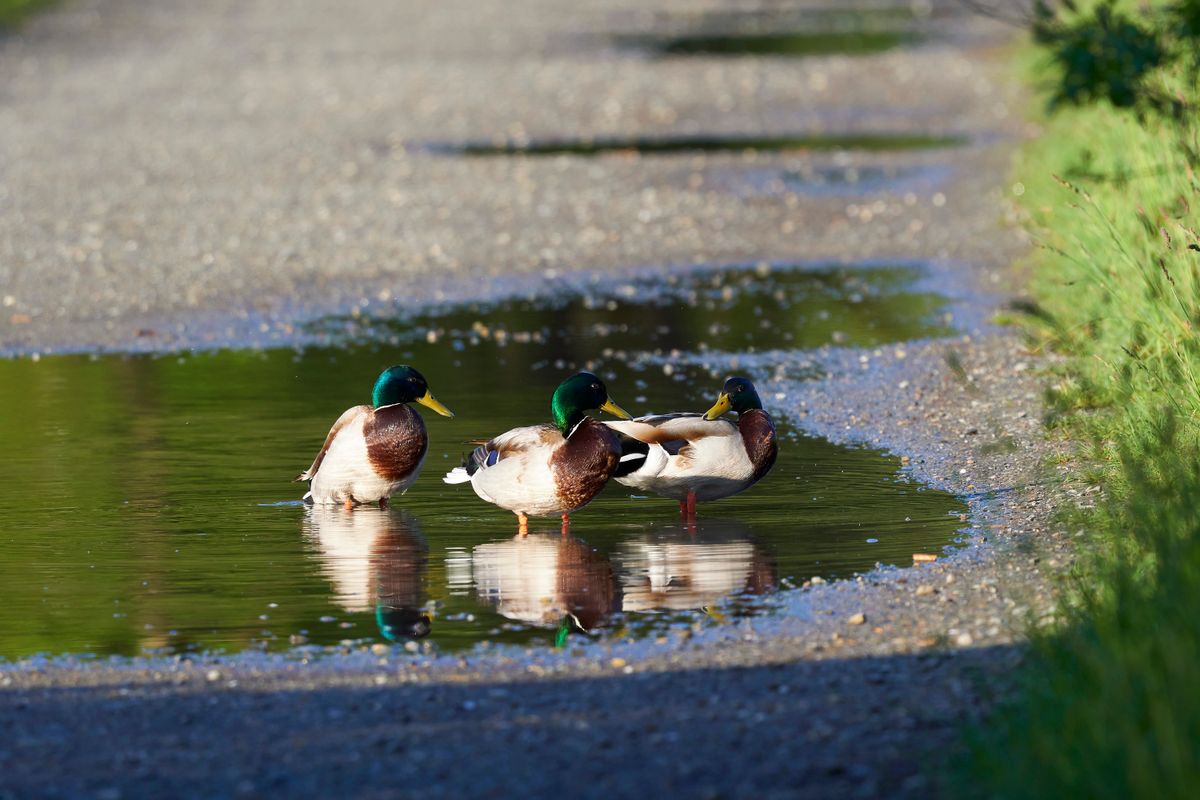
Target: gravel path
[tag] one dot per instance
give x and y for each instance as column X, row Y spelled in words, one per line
column 206, row 173
column 180, row 174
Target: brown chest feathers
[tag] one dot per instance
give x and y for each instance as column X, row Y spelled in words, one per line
column 584, row 464
column 396, row 441
column 758, row 435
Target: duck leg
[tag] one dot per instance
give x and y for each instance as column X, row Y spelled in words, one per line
column 383, row 503
column 566, row 524
column 349, row 504
column 691, row 505
column 522, row 523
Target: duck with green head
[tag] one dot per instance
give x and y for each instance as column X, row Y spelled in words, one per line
column 549, row 469
column 689, row 457
column 373, row 452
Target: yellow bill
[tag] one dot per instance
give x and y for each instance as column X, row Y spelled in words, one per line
column 430, row 402
column 615, row 410
column 720, row 407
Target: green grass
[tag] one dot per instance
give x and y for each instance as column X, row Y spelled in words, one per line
column 12, row 12
column 1108, row 703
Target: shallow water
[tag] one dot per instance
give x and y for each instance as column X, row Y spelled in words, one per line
column 702, row 143
column 778, row 31
column 846, row 180
column 791, row 44
column 147, row 503
column 737, row 308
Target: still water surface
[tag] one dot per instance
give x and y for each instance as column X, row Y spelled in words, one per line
column 146, row 502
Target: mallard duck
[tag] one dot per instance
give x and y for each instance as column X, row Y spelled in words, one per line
column 690, row 457
column 375, row 451
column 549, row 470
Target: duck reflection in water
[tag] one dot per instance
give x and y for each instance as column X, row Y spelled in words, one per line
column 546, row 580
column 376, row 560
column 694, row 568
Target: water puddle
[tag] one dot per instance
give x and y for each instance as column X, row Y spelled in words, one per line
column 702, row 143
column 148, row 505
column 738, row 308
column 791, row 44
column 833, row 179
column 792, row 33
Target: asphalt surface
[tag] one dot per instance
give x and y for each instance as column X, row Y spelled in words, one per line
column 181, row 175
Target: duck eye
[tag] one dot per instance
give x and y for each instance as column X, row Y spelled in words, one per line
column 740, row 388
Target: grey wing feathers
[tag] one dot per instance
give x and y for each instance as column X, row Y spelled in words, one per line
column 659, row 419
column 510, row 443
column 342, row 422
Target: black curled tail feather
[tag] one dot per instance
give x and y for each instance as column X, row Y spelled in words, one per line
column 480, row 457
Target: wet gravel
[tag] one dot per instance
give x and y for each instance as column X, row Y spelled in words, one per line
column 206, row 174
column 181, row 176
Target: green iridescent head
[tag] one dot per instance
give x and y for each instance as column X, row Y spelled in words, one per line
column 738, row 395
column 579, row 393
column 403, row 384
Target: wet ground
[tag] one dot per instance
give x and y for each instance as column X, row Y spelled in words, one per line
column 223, row 193
column 278, row 182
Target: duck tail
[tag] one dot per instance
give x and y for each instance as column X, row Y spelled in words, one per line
column 457, row 475
column 480, row 458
